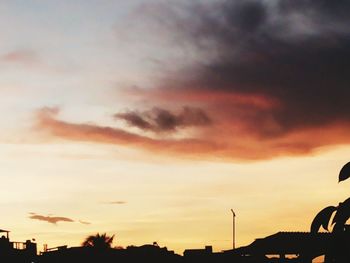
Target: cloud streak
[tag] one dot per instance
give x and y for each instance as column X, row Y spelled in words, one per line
column 217, row 143
column 20, row 56
column 162, row 120
column 47, row 121
column 50, row 219
column 84, row 222
column 54, row 219
column 115, row 203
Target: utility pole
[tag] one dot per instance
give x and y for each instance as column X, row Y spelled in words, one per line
column 233, row 228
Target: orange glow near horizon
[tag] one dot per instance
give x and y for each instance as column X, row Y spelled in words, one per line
column 195, row 196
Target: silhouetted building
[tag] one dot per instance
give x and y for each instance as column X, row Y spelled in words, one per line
column 152, row 253
column 205, row 255
column 287, row 247
column 208, row 250
column 16, row 251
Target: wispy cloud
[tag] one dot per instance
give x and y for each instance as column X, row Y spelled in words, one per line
column 20, row 56
column 84, row 222
column 115, row 203
column 54, row 219
column 162, row 120
column 50, row 219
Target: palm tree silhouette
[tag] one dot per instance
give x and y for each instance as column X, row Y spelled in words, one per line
column 98, row 241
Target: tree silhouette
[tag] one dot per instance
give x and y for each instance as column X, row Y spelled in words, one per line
column 333, row 219
column 341, row 212
column 323, row 218
column 98, row 241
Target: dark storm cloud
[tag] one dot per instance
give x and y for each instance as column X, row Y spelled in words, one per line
column 272, row 75
column 161, row 120
column 337, row 10
column 297, row 52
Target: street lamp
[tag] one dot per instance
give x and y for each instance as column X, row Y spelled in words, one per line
column 233, row 228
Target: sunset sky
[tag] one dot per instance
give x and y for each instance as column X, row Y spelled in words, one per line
column 150, row 120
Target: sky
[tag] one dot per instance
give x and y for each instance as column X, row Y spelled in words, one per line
column 150, row 120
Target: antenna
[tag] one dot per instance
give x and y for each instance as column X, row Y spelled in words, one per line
column 233, row 228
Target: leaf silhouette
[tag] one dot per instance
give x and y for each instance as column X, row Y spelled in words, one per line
column 342, row 215
column 344, row 172
column 322, row 219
